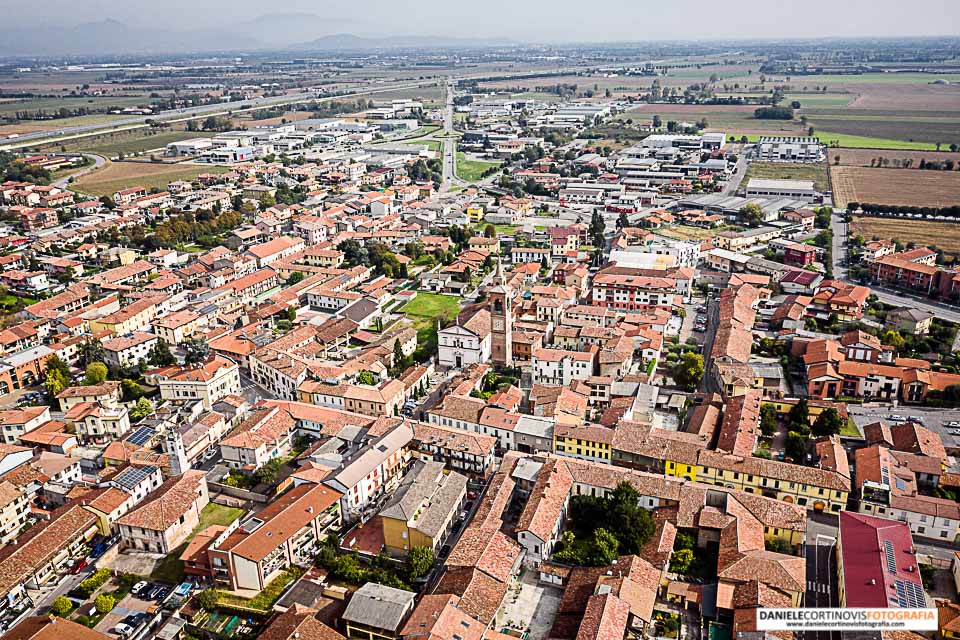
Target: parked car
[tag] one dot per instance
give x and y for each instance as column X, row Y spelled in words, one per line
column 212, row 453
column 123, row 630
column 139, row 588
column 896, row 418
column 79, row 566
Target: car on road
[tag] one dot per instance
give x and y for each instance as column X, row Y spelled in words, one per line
column 896, row 418
column 444, row 551
column 915, row 419
column 953, row 423
column 209, row 455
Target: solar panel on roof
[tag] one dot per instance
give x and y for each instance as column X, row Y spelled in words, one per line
column 890, row 556
column 910, row 594
column 129, row 478
column 141, row 436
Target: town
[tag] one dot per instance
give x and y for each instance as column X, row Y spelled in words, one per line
column 466, row 363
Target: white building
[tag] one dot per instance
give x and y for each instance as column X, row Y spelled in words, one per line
column 205, row 381
column 465, row 344
column 561, row 367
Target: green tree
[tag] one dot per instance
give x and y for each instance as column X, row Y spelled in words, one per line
column 689, row 371
column 197, row 350
column 604, row 549
column 795, row 446
column 768, row 420
column 267, row 474
column 633, row 524
column 208, row 599
column 828, row 423
column 141, row 410
column 61, row 606
column 130, row 389
column 104, row 603
column 681, row 560
column 490, row 231
column 778, row 545
column 398, row 357
column 95, row 374
column 894, row 339
column 421, row 561
column 294, row 278
column 752, row 214
column 160, row 355
column 90, row 351
column 800, row 415
column 366, row 377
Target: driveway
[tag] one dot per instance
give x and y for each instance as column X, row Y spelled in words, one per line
column 124, row 608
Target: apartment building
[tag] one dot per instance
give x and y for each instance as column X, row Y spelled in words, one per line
column 249, row 554
column 561, row 367
column 207, row 381
column 15, row 423
column 14, row 508
column 422, row 510
column 129, row 350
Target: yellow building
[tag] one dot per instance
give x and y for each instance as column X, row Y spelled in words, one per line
column 475, row 212
column 423, row 509
column 136, row 316
column 588, row 442
column 810, row 487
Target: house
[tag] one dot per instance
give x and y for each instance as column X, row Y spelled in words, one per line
column 562, row 366
column 878, row 566
column 107, row 394
column 51, row 627
column 129, row 350
column 909, row 320
column 96, row 423
column 14, row 508
column 15, row 423
column 422, row 510
column 165, row 520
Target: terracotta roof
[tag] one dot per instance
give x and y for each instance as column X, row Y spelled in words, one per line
column 175, row 497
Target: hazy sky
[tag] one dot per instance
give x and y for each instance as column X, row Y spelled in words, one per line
column 529, row 20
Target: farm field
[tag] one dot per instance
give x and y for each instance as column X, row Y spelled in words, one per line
column 862, row 157
column 120, row 175
column 471, row 170
column 131, row 144
column 684, row 232
column 847, row 141
column 912, row 187
column 943, row 235
column 789, row 171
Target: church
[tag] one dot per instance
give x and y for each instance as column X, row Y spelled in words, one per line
column 483, row 333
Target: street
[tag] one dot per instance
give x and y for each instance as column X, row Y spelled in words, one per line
column 821, row 554
column 98, row 161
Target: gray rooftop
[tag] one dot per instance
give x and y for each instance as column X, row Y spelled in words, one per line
column 427, row 497
column 379, row 606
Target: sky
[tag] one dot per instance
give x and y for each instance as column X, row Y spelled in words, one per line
column 527, row 20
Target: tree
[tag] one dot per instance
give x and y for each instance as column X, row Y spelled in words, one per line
column 799, row 415
column 61, row 606
column 104, row 603
column 90, row 351
column 752, row 214
column 768, row 420
column 197, row 350
column 160, row 355
column 778, row 545
column 398, row 357
column 95, row 374
column 421, row 561
column 294, row 278
column 828, row 423
column 604, row 549
column 141, row 410
column 795, row 446
column 633, row 524
column 57, row 376
column 367, row 378
column 681, row 560
column 208, row 599
column 689, row 371
column 490, row 231
column 894, row 339
column 130, row 389
column 267, row 474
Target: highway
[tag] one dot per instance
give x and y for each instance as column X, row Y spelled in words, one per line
column 190, row 113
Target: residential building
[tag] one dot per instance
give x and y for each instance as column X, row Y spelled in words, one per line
column 164, row 521
column 422, row 510
column 377, row 611
column 207, row 381
column 877, row 564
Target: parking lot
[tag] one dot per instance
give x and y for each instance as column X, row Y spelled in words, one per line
column 945, row 422
column 129, row 606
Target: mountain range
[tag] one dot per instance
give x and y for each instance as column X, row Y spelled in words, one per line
column 280, row 31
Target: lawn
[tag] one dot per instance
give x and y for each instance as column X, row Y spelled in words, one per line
column 432, row 145
column 170, row 569
column 121, row 175
column 790, row 171
column 863, row 142
column 472, row 170
column 502, row 229
column 850, row 429
column 216, row 514
column 427, row 306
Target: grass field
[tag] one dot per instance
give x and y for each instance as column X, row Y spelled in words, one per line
column 864, row 142
column 433, row 145
column 943, row 235
column 471, row 170
column 170, row 569
column 129, row 145
column 789, row 171
column 895, row 187
column 121, row 175
column 216, row 514
column 432, row 305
